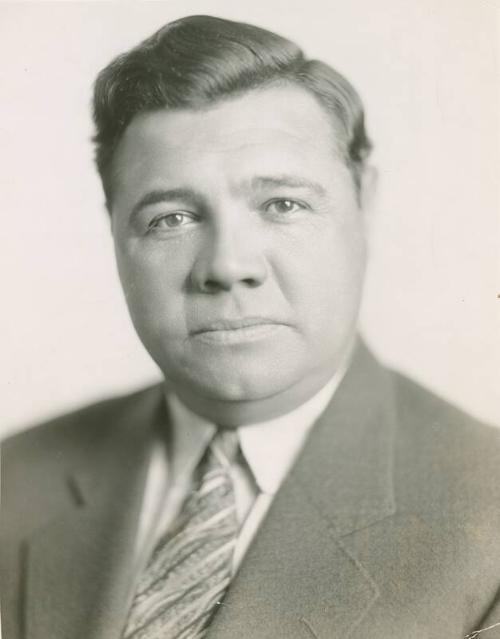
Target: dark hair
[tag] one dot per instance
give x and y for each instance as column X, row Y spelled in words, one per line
column 198, row 60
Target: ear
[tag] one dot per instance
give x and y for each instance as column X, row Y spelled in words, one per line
column 111, row 218
column 368, row 189
column 367, row 193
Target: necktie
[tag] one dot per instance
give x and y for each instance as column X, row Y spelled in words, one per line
column 190, row 568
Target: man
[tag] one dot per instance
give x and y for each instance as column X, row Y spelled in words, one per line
column 281, row 483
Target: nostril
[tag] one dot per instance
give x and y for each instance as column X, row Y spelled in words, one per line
column 251, row 282
column 212, row 286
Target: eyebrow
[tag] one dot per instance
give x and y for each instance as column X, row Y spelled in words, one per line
column 287, row 181
column 163, row 195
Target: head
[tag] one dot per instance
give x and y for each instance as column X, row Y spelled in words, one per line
column 235, row 175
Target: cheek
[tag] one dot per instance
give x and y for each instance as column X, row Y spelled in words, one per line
column 152, row 279
column 325, row 280
column 323, row 277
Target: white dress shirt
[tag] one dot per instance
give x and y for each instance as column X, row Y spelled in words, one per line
column 268, row 450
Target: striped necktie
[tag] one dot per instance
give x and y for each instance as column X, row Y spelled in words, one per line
column 190, row 568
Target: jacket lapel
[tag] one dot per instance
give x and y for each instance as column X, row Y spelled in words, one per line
column 297, row 579
column 79, row 565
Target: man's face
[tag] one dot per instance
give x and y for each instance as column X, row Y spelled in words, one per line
column 240, row 247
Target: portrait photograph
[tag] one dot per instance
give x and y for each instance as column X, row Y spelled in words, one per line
column 250, row 263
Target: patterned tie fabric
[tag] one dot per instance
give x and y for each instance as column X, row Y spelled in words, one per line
column 190, row 568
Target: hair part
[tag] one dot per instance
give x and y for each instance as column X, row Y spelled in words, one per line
column 197, row 61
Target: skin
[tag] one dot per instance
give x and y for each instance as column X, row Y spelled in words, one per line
column 241, row 248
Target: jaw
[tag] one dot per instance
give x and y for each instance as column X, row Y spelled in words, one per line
column 238, row 412
column 266, row 394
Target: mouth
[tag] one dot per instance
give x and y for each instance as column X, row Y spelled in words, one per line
column 237, row 330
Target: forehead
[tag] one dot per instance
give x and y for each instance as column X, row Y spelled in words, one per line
column 279, row 128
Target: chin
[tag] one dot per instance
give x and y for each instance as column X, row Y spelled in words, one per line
column 242, row 388
column 233, row 384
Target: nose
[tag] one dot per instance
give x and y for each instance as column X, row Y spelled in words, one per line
column 231, row 255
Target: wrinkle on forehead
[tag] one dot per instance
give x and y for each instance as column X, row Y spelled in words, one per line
column 241, row 140
column 197, row 137
column 284, row 112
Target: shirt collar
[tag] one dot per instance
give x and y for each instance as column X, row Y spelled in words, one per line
column 270, row 447
column 190, row 436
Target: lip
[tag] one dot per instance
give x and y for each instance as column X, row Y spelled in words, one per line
column 235, row 324
column 231, row 331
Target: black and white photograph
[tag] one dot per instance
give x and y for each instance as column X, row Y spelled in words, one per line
column 250, row 338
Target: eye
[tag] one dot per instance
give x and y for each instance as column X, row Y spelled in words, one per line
column 171, row 221
column 283, row 206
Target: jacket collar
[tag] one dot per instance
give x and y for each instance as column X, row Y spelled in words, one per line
column 347, row 467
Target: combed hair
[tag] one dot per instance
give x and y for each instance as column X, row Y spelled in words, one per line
column 197, row 61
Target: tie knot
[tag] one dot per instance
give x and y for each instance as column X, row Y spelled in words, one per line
column 225, row 446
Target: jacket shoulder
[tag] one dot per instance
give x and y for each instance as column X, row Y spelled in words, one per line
column 74, row 435
column 39, row 464
column 438, row 445
column 419, row 407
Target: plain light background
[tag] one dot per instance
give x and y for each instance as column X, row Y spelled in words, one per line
column 428, row 72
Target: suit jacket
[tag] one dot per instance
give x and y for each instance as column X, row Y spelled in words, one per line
column 387, row 526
